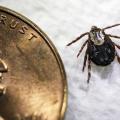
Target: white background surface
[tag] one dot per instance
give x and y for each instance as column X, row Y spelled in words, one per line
column 64, row 20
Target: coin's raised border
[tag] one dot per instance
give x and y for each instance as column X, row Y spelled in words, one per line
column 54, row 50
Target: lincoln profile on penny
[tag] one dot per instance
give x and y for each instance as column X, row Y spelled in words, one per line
column 101, row 50
column 3, row 69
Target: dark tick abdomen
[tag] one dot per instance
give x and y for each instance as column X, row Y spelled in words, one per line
column 102, row 54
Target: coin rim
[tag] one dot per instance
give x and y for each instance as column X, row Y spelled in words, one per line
column 54, row 50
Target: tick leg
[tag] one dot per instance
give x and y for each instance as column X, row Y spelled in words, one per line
column 89, row 70
column 82, row 47
column 78, row 38
column 85, row 59
column 110, row 26
column 117, row 46
column 114, row 36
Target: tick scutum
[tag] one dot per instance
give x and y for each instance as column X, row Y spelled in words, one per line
column 104, row 54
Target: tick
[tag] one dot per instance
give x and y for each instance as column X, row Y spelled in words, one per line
column 101, row 50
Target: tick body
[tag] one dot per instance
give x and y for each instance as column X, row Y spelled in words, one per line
column 102, row 54
column 101, row 50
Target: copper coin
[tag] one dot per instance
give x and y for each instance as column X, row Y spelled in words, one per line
column 32, row 77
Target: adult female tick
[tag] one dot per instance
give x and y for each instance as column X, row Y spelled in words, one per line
column 101, row 50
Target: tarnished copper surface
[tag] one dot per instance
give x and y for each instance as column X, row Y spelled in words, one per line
column 34, row 84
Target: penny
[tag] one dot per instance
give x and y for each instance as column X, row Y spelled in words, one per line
column 32, row 71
